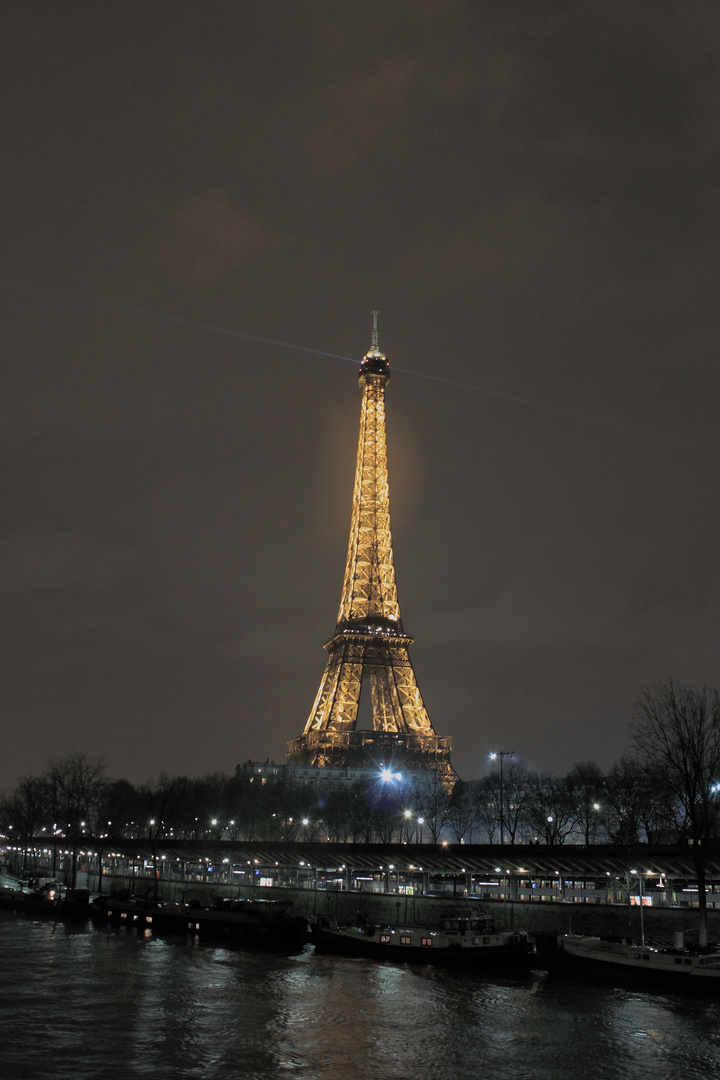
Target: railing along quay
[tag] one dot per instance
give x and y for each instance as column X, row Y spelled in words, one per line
column 661, row 874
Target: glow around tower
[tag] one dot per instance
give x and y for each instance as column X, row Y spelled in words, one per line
column 370, row 648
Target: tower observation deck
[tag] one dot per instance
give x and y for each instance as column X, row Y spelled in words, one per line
column 370, row 644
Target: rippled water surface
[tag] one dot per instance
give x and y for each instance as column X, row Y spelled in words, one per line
column 78, row 1003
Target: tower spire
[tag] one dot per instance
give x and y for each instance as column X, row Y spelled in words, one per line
column 375, row 332
column 375, row 360
column 369, row 642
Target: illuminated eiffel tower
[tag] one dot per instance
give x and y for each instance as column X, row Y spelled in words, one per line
column 369, row 642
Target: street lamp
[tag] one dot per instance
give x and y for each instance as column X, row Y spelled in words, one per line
column 501, row 754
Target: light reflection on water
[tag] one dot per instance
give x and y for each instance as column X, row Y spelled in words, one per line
column 107, row 1004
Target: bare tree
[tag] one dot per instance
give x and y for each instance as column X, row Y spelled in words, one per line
column 24, row 811
column 517, row 793
column 118, row 807
column 486, row 805
column 461, row 812
column 676, row 732
column 430, row 799
column 627, row 789
column 75, row 786
column 344, row 810
column 550, row 813
column 585, row 787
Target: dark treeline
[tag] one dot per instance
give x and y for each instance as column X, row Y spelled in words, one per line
column 74, row 798
column 669, row 788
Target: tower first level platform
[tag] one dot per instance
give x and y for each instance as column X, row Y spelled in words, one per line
column 370, row 645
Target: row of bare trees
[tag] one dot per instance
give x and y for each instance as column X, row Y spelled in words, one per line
column 74, row 800
column 586, row 806
column 669, row 788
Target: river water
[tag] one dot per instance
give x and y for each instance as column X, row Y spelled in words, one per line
column 81, row 1003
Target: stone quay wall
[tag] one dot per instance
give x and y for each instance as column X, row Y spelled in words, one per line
column 538, row 918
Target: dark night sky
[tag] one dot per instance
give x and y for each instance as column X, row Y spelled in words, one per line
column 527, row 191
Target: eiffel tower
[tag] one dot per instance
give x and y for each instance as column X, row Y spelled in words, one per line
column 369, row 642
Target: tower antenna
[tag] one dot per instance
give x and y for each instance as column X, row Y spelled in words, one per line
column 374, row 346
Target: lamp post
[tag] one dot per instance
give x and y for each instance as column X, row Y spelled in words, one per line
column 640, row 901
column 501, row 754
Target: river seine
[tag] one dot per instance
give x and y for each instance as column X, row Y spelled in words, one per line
column 104, row 1004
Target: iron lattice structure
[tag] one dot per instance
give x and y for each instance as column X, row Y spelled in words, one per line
column 369, row 642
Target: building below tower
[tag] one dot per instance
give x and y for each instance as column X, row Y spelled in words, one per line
column 371, row 749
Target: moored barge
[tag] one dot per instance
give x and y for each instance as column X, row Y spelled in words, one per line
column 674, row 967
column 469, row 940
column 248, row 921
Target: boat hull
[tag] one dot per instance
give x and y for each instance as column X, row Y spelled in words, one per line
column 73, row 905
column 250, row 922
column 505, row 951
column 598, row 959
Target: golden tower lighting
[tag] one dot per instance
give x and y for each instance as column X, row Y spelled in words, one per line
column 370, row 645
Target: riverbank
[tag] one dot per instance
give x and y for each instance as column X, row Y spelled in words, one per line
column 549, row 918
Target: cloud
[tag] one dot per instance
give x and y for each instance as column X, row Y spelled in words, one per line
column 35, row 561
column 363, row 115
column 211, row 237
